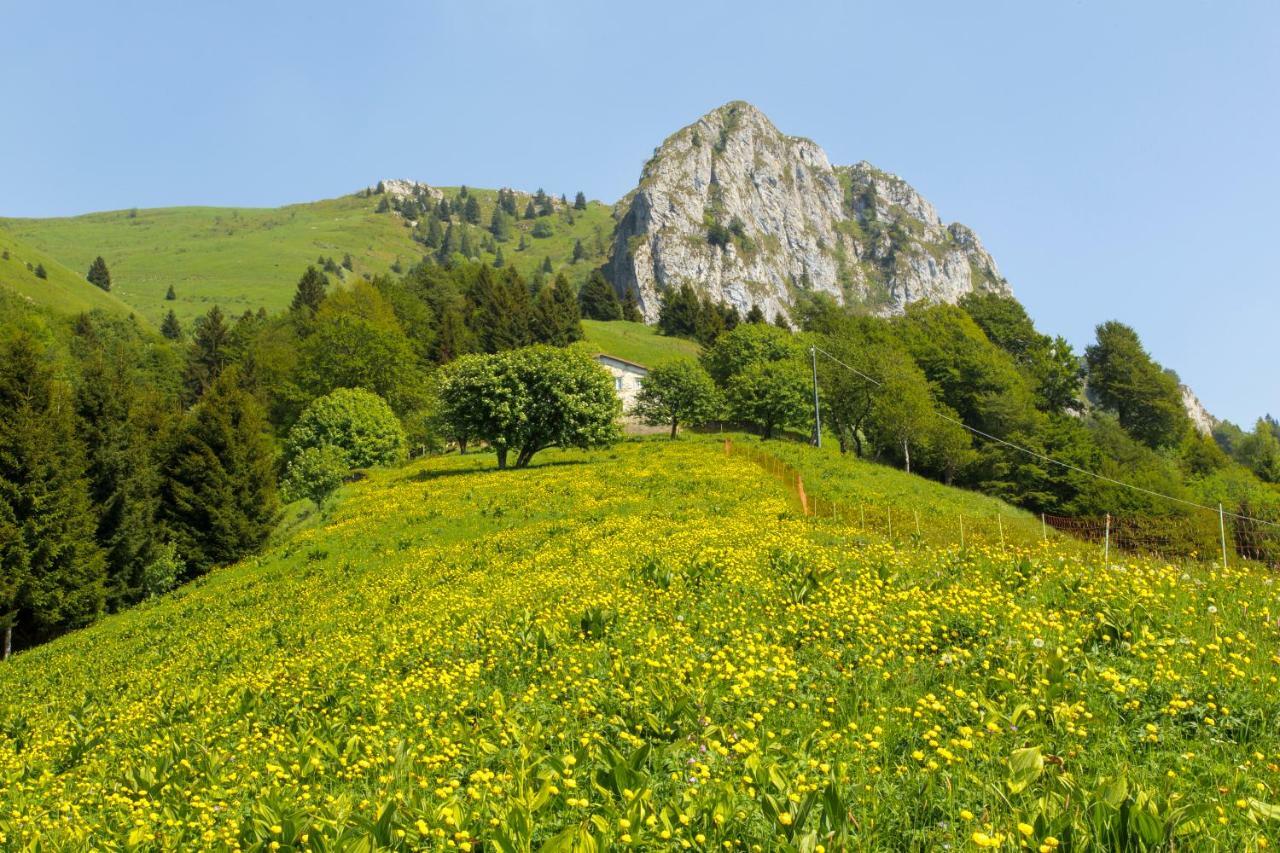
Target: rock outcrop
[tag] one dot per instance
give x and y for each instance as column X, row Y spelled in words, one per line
column 751, row 216
column 1200, row 417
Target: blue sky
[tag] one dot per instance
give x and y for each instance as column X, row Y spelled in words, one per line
column 1118, row 159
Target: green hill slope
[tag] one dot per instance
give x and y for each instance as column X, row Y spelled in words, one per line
column 62, row 291
column 246, row 258
column 647, row 647
column 635, row 342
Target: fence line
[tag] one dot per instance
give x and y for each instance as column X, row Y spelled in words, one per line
column 1173, row 538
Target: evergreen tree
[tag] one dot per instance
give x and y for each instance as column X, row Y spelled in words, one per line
column 556, row 319
column 98, row 274
column 578, row 251
column 209, row 354
column 449, row 246
column 498, row 260
column 1125, row 379
column 453, row 337
column 580, row 201
column 755, row 315
column 52, row 576
column 40, row 271
column 471, row 211
column 121, row 427
column 464, row 245
column 546, row 264
column 630, row 308
column 500, row 225
column 171, row 328
column 435, row 232
column 501, row 310
column 310, row 291
column 442, row 210
column 678, row 312
column 598, row 300
column 170, row 294
column 347, row 263
column 219, row 492
column 524, row 242
column 529, row 212
column 780, row 321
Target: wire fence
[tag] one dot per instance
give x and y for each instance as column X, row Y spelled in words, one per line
column 1174, row 538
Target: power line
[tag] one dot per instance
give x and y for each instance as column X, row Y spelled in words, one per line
column 1051, row 460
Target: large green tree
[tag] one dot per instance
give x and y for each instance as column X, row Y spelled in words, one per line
column 357, row 422
column 556, row 319
column 675, row 393
column 598, row 300
column 527, row 400
column 52, row 574
column 310, row 292
column 98, row 274
column 1125, row 379
column 219, row 492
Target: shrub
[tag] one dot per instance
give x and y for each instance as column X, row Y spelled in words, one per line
column 315, row 473
column 357, row 422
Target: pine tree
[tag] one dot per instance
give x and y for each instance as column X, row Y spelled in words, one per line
column 120, row 426
column 755, row 315
column 498, row 260
column 781, row 321
column 347, row 263
column 580, row 201
column 449, row 245
column 556, row 318
column 500, row 310
column 524, row 242
column 598, row 300
column 529, row 212
column 310, row 291
column 171, row 328
column 630, row 308
column 578, row 251
column 443, row 212
column 98, row 274
column 52, row 576
column 546, row 264
column 464, row 246
column 435, row 233
column 40, row 271
column 471, row 212
column 219, row 491
column 210, row 353
column 170, row 294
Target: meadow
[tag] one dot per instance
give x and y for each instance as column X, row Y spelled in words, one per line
column 62, row 291
column 650, row 648
column 249, row 258
column 636, row 342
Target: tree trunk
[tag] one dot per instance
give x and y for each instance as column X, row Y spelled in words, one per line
column 462, row 446
column 502, row 457
column 8, row 641
column 673, row 427
column 906, row 455
column 767, row 432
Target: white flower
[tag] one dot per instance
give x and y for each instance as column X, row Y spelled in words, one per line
column 1212, row 609
column 1038, row 643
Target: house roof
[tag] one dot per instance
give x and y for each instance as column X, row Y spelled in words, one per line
column 621, row 361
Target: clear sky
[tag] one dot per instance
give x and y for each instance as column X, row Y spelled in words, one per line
column 1119, row 159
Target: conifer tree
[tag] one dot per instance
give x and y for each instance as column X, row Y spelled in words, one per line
column 631, row 308
column 580, row 201
column 170, row 294
column 755, row 315
column 464, row 245
column 449, row 245
column 471, row 211
column 578, row 251
column 171, row 328
column 120, row 426
column 98, row 274
column 52, row 576
column 501, row 310
column 529, row 212
column 40, row 271
column 556, row 318
column 219, row 492
column 435, row 233
column 598, row 300
column 546, row 264
column 498, row 260
column 347, row 263
column 442, row 210
column 310, row 291
column 210, row 352
column 524, row 242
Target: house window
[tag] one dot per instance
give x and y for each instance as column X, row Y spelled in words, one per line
column 617, row 383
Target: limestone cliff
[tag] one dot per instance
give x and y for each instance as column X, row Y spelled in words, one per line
column 752, row 216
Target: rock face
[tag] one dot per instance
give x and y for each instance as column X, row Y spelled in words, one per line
column 1200, row 417
column 399, row 188
column 751, row 216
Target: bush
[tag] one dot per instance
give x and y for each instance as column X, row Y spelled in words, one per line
column 162, row 574
column 315, row 473
column 542, row 230
column 357, row 422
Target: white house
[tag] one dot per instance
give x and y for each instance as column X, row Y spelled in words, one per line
column 626, row 377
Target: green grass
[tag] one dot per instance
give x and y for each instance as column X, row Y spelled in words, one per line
column 65, row 291
column 636, row 342
column 647, row 647
column 247, row 258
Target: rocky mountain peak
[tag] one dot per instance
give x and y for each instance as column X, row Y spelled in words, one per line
column 750, row 215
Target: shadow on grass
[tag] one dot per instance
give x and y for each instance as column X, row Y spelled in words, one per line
column 489, row 468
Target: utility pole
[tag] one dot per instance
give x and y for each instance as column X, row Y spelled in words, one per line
column 817, row 415
column 1222, row 531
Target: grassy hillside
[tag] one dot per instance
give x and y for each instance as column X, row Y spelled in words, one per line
column 647, row 647
column 63, row 291
column 246, row 258
column 636, row 342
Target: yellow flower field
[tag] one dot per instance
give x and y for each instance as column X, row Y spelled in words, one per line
column 648, row 648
